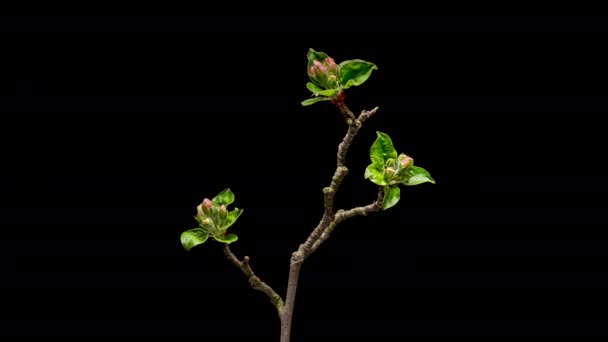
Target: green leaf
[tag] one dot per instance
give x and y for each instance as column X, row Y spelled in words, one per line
column 225, row 197
column 392, row 194
column 228, row 238
column 375, row 174
column 382, row 149
column 418, row 175
column 329, row 92
column 313, row 55
column 315, row 89
column 355, row 71
column 314, row 100
column 231, row 218
column 193, row 237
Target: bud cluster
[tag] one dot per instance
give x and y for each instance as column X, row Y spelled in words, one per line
column 211, row 217
column 395, row 170
column 324, row 73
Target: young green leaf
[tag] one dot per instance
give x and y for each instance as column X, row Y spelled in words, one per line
column 228, row 238
column 355, row 71
column 225, row 197
column 418, row 175
column 375, row 174
column 193, row 237
column 313, row 55
column 392, row 194
column 315, row 89
column 231, row 218
column 329, row 92
column 314, row 100
column 382, row 149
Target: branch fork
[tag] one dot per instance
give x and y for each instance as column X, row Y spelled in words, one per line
column 323, row 230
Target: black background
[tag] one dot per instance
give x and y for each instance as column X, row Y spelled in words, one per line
column 115, row 128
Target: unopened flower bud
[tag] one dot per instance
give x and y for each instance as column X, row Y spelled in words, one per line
column 331, row 64
column 389, row 171
column 407, row 162
column 206, row 206
column 206, row 221
column 223, row 212
column 320, row 67
column 312, row 70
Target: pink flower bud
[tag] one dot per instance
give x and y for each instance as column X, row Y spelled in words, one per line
column 207, row 205
column 313, row 71
column 223, row 212
column 331, row 63
column 407, row 162
column 389, row 171
column 320, row 66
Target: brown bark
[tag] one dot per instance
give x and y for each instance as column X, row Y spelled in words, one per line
column 329, row 219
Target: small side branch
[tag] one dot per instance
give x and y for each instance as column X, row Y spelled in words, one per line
column 375, row 206
column 341, row 171
column 353, row 129
column 254, row 281
column 342, row 215
column 346, row 113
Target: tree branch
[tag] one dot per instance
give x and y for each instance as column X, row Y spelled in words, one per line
column 341, row 171
column 342, row 215
column 329, row 219
column 254, row 281
column 347, row 113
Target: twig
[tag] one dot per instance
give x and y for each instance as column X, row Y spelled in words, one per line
column 329, row 219
column 342, row 215
column 341, row 171
column 254, row 281
column 347, row 113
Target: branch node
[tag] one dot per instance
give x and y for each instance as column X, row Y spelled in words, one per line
column 297, row 257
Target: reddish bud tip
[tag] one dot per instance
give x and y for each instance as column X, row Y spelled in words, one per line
column 312, row 70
